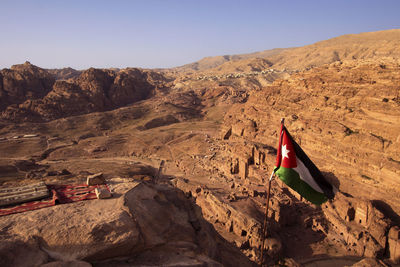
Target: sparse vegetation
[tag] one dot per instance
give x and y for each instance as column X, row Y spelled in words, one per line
column 366, row 177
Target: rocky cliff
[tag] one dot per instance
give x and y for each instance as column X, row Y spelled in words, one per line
column 23, row 82
column 38, row 97
column 346, row 116
column 144, row 224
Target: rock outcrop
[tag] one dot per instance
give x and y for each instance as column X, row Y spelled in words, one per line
column 23, row 82
column 145, row 224
column 345, row 116
column 93, row 91
column 64, row 73
column 394, row 244
column 357, row 225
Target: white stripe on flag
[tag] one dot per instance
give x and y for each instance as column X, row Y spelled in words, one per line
column 306, row 176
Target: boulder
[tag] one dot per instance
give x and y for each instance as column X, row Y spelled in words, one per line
column 87, row 230
column 273, row 246
column 148, row 224
column 102, row 193
column 168, row 220
column 95, row 179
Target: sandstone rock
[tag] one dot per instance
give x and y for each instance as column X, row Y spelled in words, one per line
column 243, row 168
column 148, row 225
column 232, row 197
column 52, row 173
column 67, row 264
column 394, row 244
column 273, row 246
column 8, row 169
column 94, row 90
column 226, row 132
column 103, row 193
column 64, row 73
column 161, row 121
column 26, row 165
column 368, row 262
column 238, row 129
column 373, row 249
column 338, row 110
column 88, row 230
column 358, row 224
column 289, row 262
column 18, row 253
column 162, row 257
column 158, row 204
column 150, row 203
column 95, row 179
column 361, row 214
column 131, row 85
column 334, row 127
column 65, row 172
column 22, row 82
column 234, row 167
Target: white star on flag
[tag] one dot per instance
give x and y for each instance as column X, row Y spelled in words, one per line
column 285, row 152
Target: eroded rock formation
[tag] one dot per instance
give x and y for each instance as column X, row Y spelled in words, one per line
column 93, row 90
column 146, row 223
column 23, row 82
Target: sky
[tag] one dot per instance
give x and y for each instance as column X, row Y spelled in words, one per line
column 169, row 33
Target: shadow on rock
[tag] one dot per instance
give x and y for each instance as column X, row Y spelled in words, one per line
column 173, row 226
column 332, row 179
column 387, row 210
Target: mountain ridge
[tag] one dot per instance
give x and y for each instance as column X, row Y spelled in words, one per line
column 280, row 56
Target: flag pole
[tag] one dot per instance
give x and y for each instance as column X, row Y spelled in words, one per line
column 264, row 230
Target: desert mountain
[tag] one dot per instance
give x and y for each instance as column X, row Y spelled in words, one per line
column 212, row 62
column 23, row 82
column 187, row 155
column 382, row 45
column 93, row 90
column 64, row 73
column 370, row 45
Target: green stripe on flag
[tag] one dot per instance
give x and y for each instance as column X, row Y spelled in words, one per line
column 292, row 179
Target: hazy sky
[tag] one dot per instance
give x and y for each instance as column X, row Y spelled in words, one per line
column 166, row 33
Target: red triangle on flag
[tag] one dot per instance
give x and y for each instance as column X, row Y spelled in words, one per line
column 286, row 154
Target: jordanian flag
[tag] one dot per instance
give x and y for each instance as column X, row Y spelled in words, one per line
column 296, row 170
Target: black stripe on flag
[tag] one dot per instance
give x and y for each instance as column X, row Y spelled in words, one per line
column 314, row 171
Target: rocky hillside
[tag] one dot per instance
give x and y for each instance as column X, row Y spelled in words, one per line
column 64, row 73
column 144, row 225
column 382, row 45
column 371, row 45
column 345, row 115
column 23, row 82
column 212, row 62
column 37, row 96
